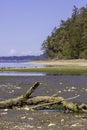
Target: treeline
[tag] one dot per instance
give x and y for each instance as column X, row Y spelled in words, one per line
column 20, row 58
column 69, row 40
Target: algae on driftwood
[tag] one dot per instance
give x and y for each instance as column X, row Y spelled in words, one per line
column 42, row 102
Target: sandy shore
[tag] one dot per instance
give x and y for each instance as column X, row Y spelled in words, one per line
column 79, row 62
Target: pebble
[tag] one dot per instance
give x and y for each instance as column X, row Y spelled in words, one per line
column 30, row 118
column 59, row 91
column 5, row 110
column 60, row 83
column 24, row 117
column 11, row 91
column 69, row 90
column 74, row 125
column 73, row 88
column 4, row 113
column 64, row 90
column 62, row 120
column 30, row 126
column 27, row 108
column 18, row 87
column 39, row 127
column 51, row 124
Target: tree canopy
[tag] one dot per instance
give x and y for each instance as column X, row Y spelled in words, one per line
column 69, row 40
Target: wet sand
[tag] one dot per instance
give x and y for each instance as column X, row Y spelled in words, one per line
column 27, row 120
column 66, row 86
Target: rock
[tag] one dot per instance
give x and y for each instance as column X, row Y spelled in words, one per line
column 51, row 124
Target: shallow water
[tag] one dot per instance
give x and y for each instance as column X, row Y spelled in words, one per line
column 67, row 86
column 21, row 74
column 18, row 65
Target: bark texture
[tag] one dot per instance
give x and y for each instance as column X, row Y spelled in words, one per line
column 42, row 102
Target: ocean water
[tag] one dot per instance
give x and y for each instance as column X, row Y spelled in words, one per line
column 20, row 65
column 21, row 74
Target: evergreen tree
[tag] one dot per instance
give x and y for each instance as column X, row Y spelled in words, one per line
column 69, row 41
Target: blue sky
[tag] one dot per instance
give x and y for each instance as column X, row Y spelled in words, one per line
column 25, row 24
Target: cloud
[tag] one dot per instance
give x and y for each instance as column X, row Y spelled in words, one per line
column 37, row 53
column 31, row 53
column 26, row 53
column 12, row 52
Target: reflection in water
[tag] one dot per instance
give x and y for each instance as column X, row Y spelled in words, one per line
column 21, row 74
column 19, row 65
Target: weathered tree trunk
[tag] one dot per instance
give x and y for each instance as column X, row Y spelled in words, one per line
column 42, row 102
column 19, row 100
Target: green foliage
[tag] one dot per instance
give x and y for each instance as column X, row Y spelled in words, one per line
column 69, row 41
column 59, row 70
column 84, row 54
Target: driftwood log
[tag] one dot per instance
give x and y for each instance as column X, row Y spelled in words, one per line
column 42, row 102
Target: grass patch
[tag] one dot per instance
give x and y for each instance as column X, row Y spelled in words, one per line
column 60, row 70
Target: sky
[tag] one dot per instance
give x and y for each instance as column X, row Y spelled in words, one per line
column 25, row 24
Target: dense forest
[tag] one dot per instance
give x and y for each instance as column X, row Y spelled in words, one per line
column 69, row 40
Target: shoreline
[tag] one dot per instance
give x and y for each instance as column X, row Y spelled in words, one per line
column 52, row 66
column 75, row 62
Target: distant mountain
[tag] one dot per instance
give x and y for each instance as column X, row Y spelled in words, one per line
column 20, row 58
